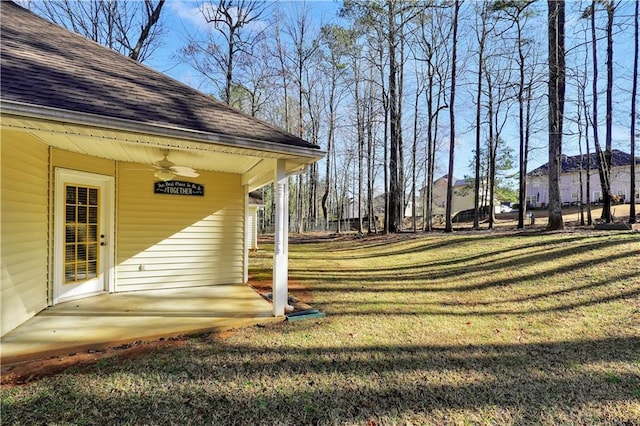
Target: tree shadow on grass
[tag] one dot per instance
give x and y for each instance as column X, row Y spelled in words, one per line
column 390, row 245
column 424, row 279
column 412, row 310
column 594, row 381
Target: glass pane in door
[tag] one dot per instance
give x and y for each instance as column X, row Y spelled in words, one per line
column 81, row 244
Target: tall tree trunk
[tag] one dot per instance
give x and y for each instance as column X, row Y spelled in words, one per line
column 414, row 160
column 476, row 186
column 229, row 70
column 300, row 192
column 400, row 88
column 588, row 176
column 634, row 91
column 428, row 214
column 331, row 125
column 602, row 164
column 556, row 109
column 387, row 208
column 491, row 169
column 283, row 70
column 522, row 168
column 452, row 133
column 394, row 182
column 580, row 176
column 371, row 223
column 360, row 137
column 606, row 209
column 527, row 135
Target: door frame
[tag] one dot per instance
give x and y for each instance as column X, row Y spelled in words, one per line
column 107, row 202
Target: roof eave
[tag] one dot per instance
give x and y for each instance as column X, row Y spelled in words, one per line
column 85, row 119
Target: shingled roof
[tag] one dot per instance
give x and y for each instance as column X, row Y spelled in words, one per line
column 47, row 66
column 577, row 162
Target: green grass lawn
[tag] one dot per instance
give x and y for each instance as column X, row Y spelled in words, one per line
column 468, row 328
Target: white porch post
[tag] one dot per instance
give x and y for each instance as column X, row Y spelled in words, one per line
column 281, row 241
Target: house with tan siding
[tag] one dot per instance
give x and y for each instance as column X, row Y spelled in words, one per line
column 117, row 178
column 463, row 197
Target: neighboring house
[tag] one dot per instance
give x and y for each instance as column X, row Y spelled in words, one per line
column 463, row 196
column 439, row 197
column 85, row 208
column 574, row 169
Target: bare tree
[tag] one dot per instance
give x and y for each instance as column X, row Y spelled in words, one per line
column 131, row 28
column 395, row 198
column 232, row 36
column 607, row 195
column 499, row 101
column 517, row 11
column 482, row 32
column 414, row 151
column 556, row 107
column 581, row 83
column 434, row 30
column 305, row 43
column 602, row 164
column 584, row 120
column 338, row 41
column 452, row 122
column 280, row 52
column 634, row 118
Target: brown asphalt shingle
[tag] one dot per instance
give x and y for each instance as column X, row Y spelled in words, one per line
column 579, row 162
column 46, row 65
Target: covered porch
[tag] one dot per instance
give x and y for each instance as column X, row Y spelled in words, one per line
column 110, row 320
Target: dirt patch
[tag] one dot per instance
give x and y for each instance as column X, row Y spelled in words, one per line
column 27, row 372
column 299, row 296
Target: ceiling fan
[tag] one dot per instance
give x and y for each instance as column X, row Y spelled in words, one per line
column 167, row 170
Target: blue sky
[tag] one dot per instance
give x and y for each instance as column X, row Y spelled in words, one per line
column 183, row 18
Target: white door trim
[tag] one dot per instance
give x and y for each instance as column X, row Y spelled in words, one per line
column 107, row 203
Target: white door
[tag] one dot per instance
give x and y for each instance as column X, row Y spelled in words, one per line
column 83, row 234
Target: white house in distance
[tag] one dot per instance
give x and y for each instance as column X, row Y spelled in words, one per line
column 572, row 170
column 117, row 178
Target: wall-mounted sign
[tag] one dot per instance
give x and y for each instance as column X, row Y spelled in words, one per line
column 177, row 187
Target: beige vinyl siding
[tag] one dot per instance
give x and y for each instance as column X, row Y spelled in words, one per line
column 24, row 247
column 170, row 241
column 84, row 163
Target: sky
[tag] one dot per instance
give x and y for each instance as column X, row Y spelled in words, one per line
column 183, row 18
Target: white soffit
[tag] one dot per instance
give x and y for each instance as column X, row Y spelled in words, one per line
column 141, row 148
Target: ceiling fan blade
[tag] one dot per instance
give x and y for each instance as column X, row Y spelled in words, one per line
column 192, row 174
column 167, row 169
column 182, row 169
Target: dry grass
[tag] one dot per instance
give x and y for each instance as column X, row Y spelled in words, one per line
column 469, row 328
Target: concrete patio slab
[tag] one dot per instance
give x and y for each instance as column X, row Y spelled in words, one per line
column 110, row 320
